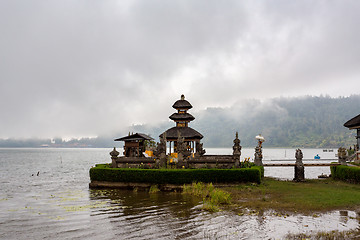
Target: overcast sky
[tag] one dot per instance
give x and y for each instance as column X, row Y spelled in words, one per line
column 88, row 67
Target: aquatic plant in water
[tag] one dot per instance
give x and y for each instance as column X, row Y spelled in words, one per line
column 212, row 197
column 154, row 189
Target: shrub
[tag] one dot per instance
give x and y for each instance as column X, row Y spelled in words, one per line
column 218, row 196
column 346, row 173
column 102, row 172
column 198, row 189
column 212, row 197
column 246, row 163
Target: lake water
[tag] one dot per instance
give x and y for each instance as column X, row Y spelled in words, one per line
column 45, row 195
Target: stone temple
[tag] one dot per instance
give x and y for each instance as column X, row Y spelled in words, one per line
column 184, row 141
column 182, row 119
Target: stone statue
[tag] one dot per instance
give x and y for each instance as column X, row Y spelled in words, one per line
column 114, row 155
column 237, row 147
column 160, row 151
column 342, row 156
column 182, row 147
column 160, row 147
column 258, row 150
column 200, row 151
column 237, row 150
column 182, row 150
column 299, row 166
column 260, row 139
column 298, row 155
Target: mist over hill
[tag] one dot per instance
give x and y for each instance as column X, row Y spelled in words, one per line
column 284, row 122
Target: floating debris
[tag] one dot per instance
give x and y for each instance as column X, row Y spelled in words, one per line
column 323, row 176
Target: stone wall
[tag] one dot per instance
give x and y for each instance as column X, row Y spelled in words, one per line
column 162, row 161
column 205, row 161
column 213, row 161
column 134, row 162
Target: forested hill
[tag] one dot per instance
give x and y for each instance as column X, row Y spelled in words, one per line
column 284, row 122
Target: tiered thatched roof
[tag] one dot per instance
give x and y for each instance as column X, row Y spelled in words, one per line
column 353, row 123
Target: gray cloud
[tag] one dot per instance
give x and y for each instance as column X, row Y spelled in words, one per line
column 83, row 68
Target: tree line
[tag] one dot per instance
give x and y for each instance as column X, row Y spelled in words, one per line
column 305, row 122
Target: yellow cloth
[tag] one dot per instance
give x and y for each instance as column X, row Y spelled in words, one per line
column 149, row 153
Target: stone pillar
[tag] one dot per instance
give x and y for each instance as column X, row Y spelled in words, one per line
column 258, row 156
column 114, row 155
column 237, row 150
column 299, row 167
column 342, row 156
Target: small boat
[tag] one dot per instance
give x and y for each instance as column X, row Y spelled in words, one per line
column 317, row 156
column 328, row 150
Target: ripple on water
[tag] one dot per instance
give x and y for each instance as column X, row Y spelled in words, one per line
column 164, row 220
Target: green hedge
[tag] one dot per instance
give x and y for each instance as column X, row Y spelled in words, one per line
column 346, row 173
column 102, row 172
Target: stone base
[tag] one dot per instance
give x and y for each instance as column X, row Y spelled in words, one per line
column 258, row 162
column 299, row 171
column 146, row 186
column 129, row 185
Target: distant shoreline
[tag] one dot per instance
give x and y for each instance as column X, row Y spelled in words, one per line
column 268, row 147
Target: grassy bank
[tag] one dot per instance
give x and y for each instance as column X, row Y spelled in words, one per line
column 306, row 197
column 333, row 235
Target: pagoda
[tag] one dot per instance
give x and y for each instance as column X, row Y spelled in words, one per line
column 182, row 131
column 354, row 123
column 134, row 144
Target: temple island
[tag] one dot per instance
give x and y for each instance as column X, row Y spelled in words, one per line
column 188, row 151
column 177, row 159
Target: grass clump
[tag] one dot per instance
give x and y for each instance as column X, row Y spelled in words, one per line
column 332, row 235
column 198, row 189
column 211, row 196
column 305, row 197
column 218, row 196
column 154, row 189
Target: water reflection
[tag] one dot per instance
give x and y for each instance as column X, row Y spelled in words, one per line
column 58, row 204
column 140, row 202
column 140, row 215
